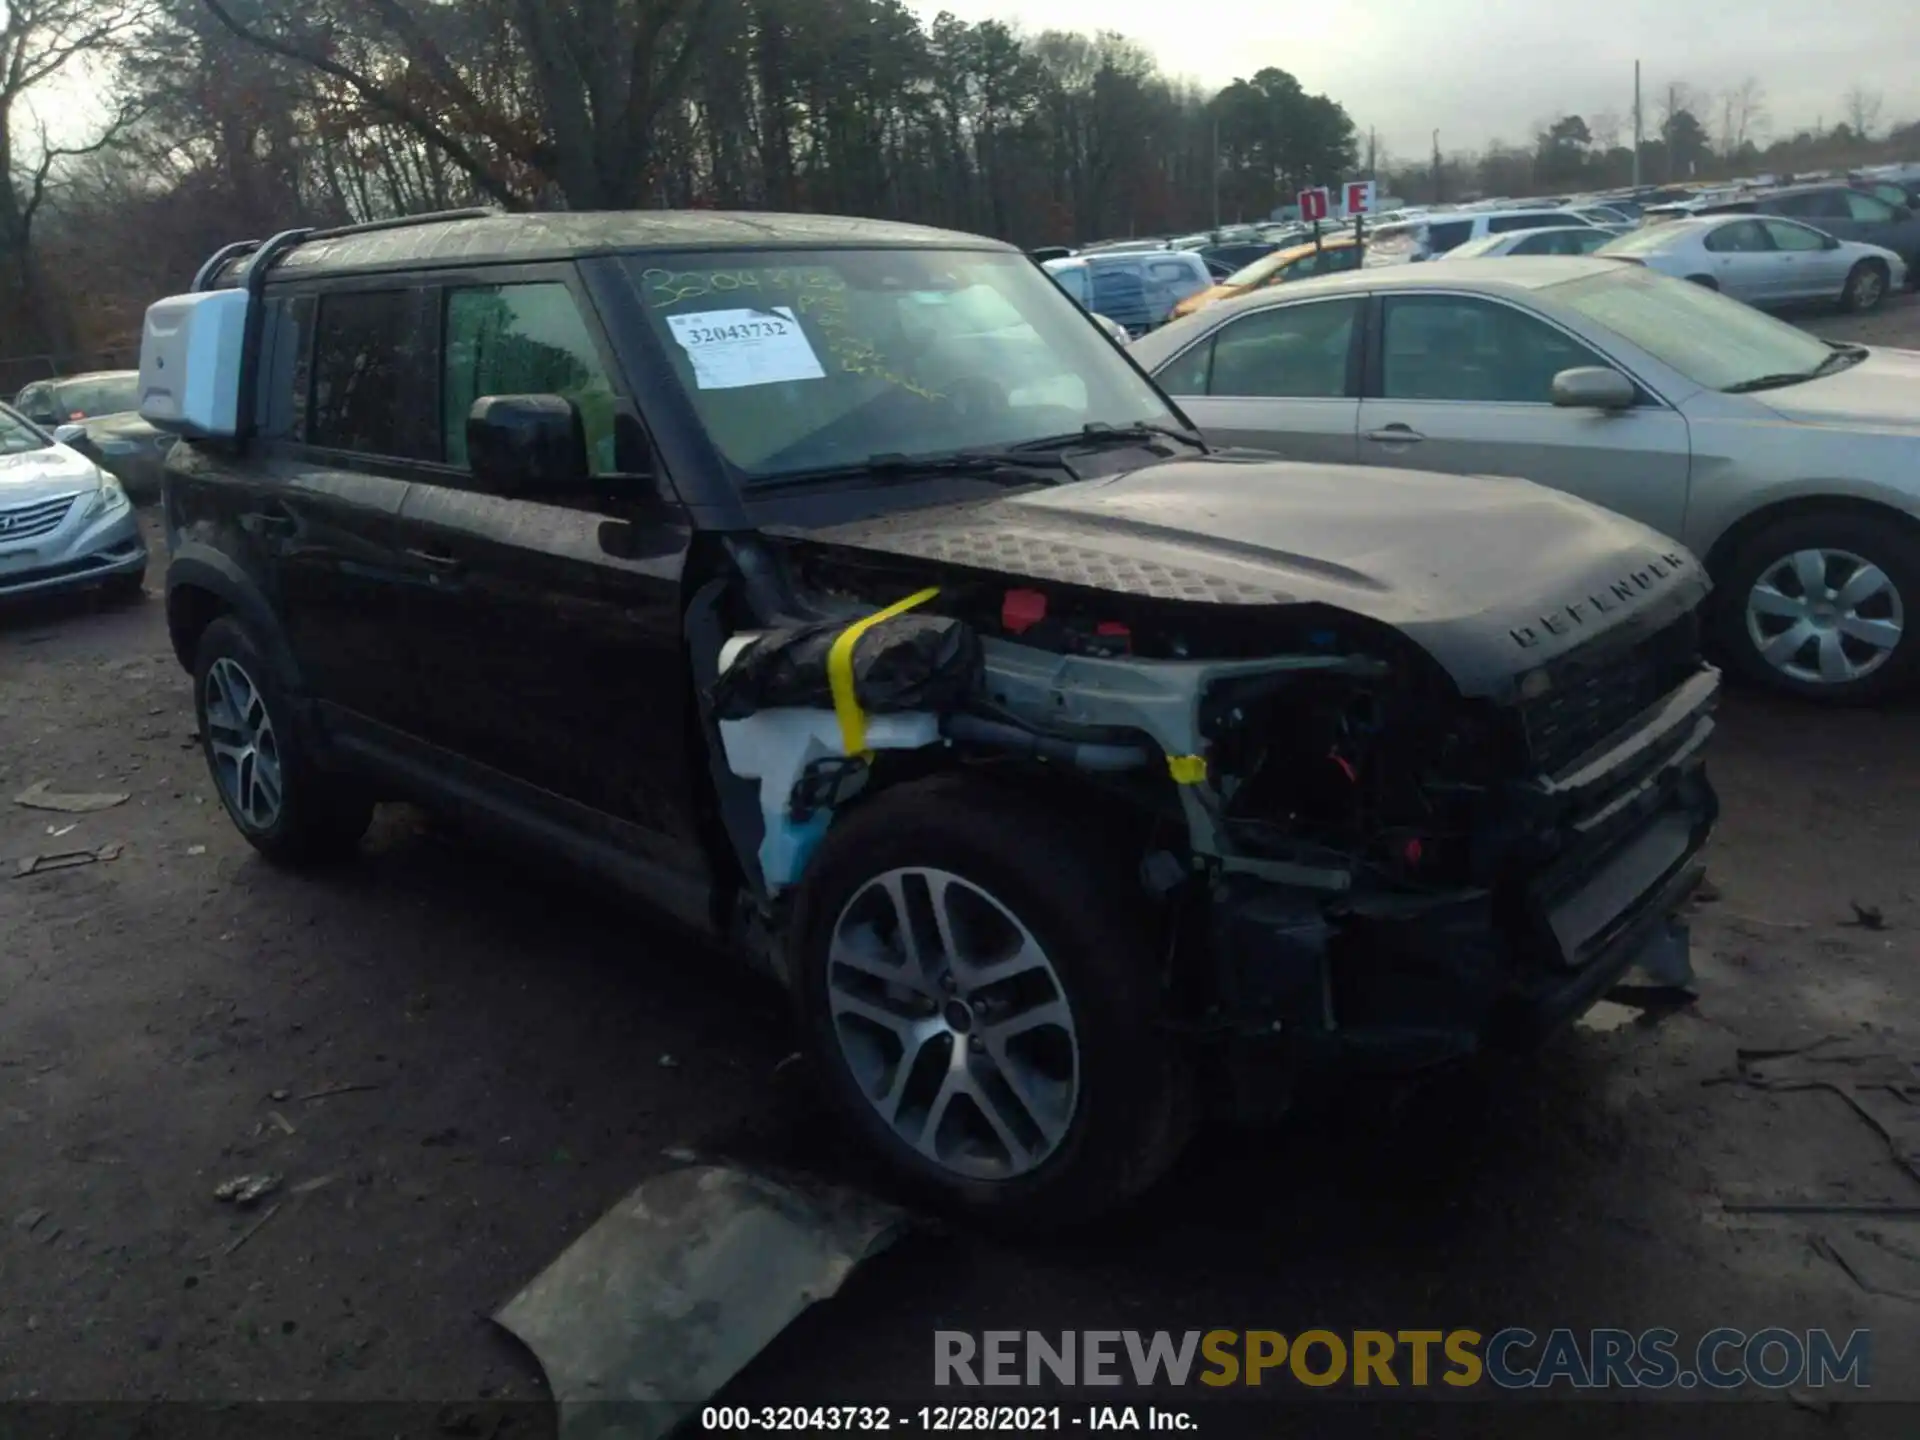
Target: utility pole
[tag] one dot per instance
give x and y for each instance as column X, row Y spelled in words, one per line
column 1666, row 133
column 1437, row 196
column 1636, row 124
column 1216, row 173
column 1373, row 152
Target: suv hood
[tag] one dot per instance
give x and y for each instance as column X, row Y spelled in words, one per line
column 42, row 474
column 1490, row 576
column 1882, row 391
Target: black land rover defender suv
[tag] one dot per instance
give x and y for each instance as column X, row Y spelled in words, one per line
column 841, row 589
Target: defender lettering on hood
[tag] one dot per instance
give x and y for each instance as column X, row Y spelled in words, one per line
column 1566, row 620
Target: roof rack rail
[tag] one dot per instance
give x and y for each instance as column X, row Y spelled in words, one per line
column 401, row 222
column 203, row 277
column 240, row 249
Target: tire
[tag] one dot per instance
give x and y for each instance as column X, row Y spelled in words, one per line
column 1124, row 1110
column 1866, row 287
column 1846, row 540
column 317, row 817
column 1706, row 282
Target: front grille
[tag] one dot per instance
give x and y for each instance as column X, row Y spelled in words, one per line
column 26, row 522
column 1598, row 690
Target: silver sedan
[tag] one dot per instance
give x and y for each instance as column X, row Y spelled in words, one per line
column 1790, row 464
column 1765, row 260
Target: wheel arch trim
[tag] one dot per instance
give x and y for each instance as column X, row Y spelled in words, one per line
column 200, row 570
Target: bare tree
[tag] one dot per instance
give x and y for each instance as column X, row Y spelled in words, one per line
column 39, row 39
column 1605, row 126
column 1863, row 110
column 1745, row 108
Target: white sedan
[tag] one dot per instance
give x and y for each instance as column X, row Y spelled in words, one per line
column 1764, row 260
column 1547, row 240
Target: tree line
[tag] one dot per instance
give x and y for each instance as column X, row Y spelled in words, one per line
column 217, row 119
column 242, row 117
column 1687, row 134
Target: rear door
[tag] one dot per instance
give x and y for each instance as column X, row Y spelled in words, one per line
column 545, row 629
column 342, row 369
column 1281, row 378
column 1462, row 383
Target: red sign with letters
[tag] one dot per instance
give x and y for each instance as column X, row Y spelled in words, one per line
column 1313, row 203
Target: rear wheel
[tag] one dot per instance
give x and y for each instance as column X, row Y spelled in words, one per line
column 1866, row 287
column 1820, row 605
column 286, row 808
column 976, row 979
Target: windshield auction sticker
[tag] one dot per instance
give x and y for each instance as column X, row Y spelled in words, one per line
column 734, row 348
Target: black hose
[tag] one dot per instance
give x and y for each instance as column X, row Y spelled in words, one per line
column 1083, row 755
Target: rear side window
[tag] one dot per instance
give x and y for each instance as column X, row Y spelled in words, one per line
column 1293, row 351
column 1867, row 207
column 524, row 340
column 1444, row 236
column 365, row 355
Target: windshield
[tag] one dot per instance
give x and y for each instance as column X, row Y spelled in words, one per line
column 1471, row 248
column 805, row 360
column 1713, row 341
column 1640, row 242
column 99, row 395
column 17, row 437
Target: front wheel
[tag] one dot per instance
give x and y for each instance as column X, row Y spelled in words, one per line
column 977, row 981
column 1816, row 606
column 1866, row 287
column 281, row 804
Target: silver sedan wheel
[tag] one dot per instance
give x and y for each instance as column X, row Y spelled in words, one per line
column 1867, row 289
column 246, row 757
column 1825, row 617
column 954, row 1023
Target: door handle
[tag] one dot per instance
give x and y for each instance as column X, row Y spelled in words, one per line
column 272, row 522
column 439, row 562
column 1396, row 434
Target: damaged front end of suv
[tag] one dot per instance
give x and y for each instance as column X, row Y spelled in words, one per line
column 1383, row 808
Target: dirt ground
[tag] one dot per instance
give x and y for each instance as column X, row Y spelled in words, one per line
column 509, row 1056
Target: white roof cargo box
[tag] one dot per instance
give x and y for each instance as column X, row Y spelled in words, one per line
column 190, row 355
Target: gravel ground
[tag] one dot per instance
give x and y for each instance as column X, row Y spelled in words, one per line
column 509, row 1055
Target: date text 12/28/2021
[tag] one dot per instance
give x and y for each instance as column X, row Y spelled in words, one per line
column 940, row 1419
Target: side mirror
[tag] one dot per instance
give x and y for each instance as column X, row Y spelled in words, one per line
column 1592, row 387
column 522, row 443
column 1827, row 242
column 69, row 434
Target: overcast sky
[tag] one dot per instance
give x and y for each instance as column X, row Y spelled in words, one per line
column 1479, row 70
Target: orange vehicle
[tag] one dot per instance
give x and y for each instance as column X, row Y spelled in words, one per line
column 1334, row 254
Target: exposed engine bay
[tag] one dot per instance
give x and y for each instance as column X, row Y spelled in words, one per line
column 1352, row 856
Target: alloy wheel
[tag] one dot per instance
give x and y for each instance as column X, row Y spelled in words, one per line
column 1866, row 290
column 954, row 1023
column 240, row 739
column 1825, row 616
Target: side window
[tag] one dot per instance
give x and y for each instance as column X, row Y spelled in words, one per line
column 524, row 340
column 365, row 350
column 1866, row 207
column 1293, row 351
column 1535, row 245
column 1788, row 236
column 1501, row 224
column 1442, row 238
column 1454, row 347
column 1828, row 204
column 1741, row 237
column 1186, row 373
column 36, row 403
column 1791, row 205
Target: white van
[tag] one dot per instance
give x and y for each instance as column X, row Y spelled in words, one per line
column 1434, row 235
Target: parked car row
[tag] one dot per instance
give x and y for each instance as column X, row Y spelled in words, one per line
column 1076, row 780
